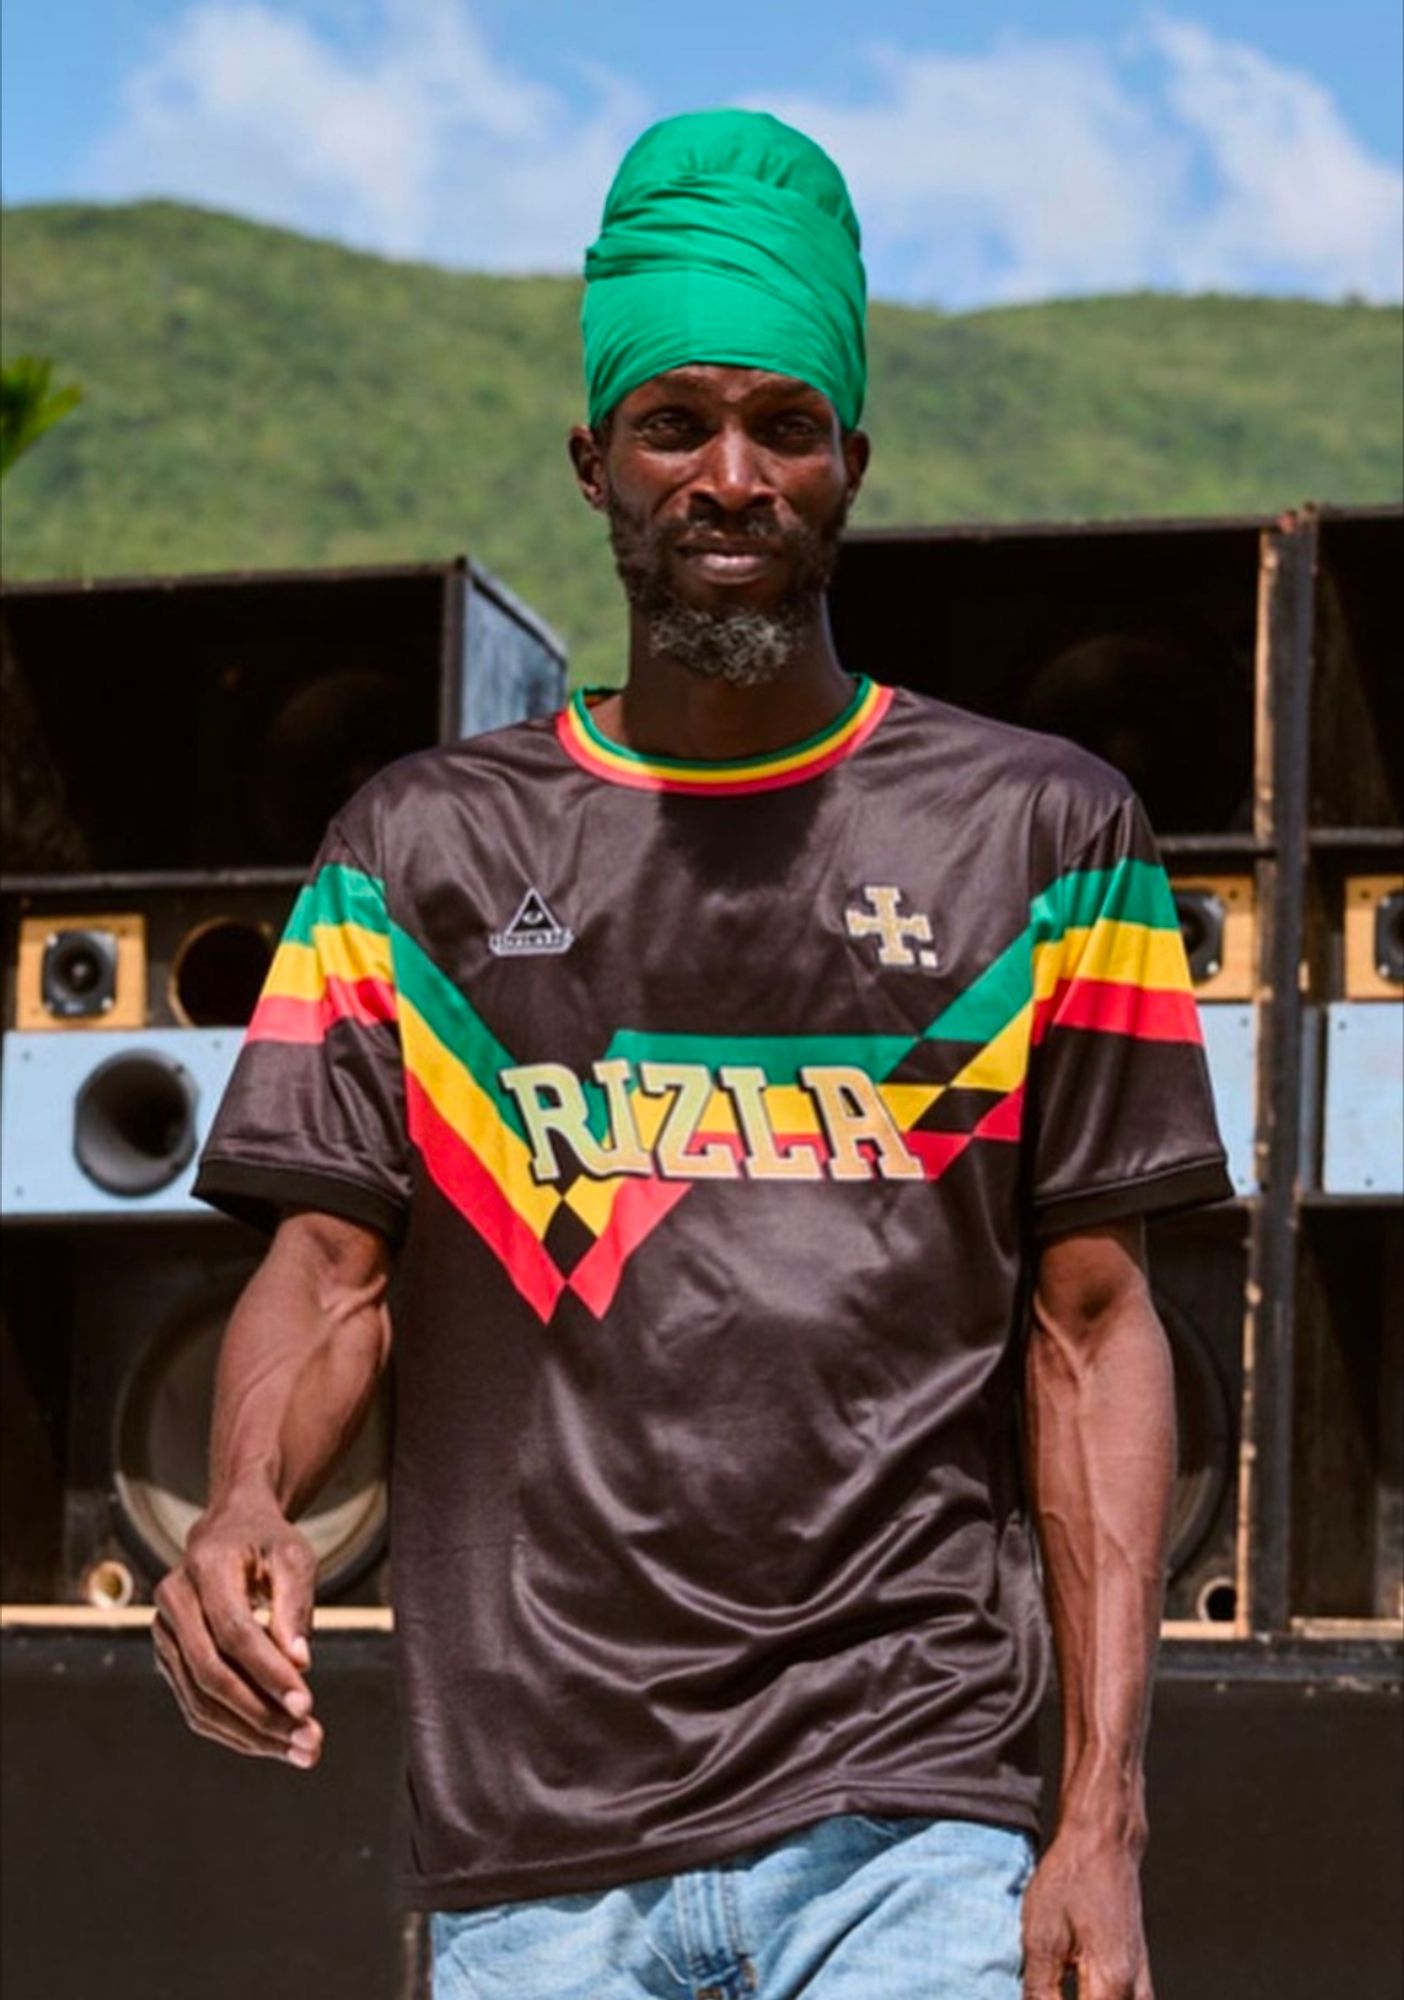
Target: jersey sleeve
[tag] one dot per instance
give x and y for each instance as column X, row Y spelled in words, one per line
column 1122, row 1112
column 314, row 1115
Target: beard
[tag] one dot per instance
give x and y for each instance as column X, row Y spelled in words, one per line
column 745, row 648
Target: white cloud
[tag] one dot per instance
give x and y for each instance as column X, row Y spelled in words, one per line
column 1295, row 192
column 1040, row 167
column 1012, row 175
column 420, row 143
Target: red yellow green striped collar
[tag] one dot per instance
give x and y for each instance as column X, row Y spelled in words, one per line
column 724, row 776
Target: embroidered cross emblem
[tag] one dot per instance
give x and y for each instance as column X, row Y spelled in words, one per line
column 885, row 922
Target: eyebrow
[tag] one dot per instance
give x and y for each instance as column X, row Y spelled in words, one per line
column 680, row 380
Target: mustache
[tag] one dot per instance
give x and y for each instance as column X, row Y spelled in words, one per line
column 642, row 548
column 719, row 535
column 764, row 531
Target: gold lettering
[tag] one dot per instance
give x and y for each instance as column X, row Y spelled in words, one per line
column 764, row 1160
column 854, row 1114
column 692, row 1083
column 626, row 1153
column 533, row 1085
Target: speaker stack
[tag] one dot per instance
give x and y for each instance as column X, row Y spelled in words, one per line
column 1244, row 674
column 176, row 748
column 183, row 744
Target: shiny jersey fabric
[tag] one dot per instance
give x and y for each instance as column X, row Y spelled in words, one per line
column 715, row 1112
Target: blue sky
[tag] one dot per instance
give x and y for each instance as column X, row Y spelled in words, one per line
column 996, row 152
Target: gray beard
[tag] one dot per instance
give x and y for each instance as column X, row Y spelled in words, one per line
column 743, row 648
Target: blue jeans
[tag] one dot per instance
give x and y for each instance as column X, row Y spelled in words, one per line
column 851, row 1908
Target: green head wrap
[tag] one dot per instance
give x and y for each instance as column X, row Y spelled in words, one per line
column 729, row 238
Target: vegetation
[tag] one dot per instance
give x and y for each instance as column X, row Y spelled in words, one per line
column 257, row 398
column 29, row 405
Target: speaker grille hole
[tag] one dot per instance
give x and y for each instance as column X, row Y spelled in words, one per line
column 110, row 1585
column 218, row 973
column 1217, row 1603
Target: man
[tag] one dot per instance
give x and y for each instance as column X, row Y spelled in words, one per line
column 753, row 1075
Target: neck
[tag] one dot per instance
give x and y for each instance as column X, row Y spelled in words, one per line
column 668, row 710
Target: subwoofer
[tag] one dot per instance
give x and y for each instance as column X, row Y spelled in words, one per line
column 1135, row 644
column 1198, row 1267
column 111, row 1339
column 252, row 706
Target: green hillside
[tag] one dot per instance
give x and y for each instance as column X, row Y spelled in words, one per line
column 256, row 398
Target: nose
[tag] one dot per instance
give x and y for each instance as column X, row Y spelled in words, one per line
column 732, row 472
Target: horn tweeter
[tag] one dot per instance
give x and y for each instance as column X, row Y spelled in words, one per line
column 134, row 1122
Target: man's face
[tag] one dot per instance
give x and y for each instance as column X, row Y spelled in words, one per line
column 726, row 491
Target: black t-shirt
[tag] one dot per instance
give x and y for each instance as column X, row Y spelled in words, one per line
column 716, row 1111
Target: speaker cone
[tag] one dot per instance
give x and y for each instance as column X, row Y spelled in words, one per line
column 1171, row 718
column 322, row 745
column 1205, row 1431
column 161, row 1454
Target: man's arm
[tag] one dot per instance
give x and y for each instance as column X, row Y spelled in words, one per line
column 298, row 1367
column 1101, row 1431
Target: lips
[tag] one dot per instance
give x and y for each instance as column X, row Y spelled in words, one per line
column 728, row 562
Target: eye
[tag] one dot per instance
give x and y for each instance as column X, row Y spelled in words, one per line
column 793, row 430
column 671, row 429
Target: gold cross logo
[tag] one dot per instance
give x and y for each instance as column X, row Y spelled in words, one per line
column 885, row 922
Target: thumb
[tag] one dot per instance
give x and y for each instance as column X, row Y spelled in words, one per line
column 292, row 1581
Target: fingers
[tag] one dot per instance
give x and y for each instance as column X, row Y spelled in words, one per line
column 292, row 1570
column 1106, row 1981
column 1043, row 1975
column 218, row 1704
column 1118, row 1976
column 219, row 1583
column 1048, row 1952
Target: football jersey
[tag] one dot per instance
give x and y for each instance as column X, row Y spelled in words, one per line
column 715, row 1111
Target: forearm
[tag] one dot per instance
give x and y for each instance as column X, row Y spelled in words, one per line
column 1101, row 1427
column 299, row 1364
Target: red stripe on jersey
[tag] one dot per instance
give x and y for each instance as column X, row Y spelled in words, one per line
column 280, row 1018
column 462, row 1179
column 1004, row 1120
column 639, row 1207
column 1148, row 1013
column 936, row 1150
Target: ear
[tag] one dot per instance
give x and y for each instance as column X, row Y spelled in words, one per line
column 587, row 456
column 857, row 449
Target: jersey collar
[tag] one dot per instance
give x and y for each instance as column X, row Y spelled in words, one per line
column 723, row 777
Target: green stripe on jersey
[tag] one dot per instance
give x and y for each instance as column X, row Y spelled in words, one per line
column 338, row 895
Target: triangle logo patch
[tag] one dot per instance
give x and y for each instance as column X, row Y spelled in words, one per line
column 533, row 932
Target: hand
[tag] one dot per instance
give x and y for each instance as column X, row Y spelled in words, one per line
column 1082, row 1913
column 235, row 1681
